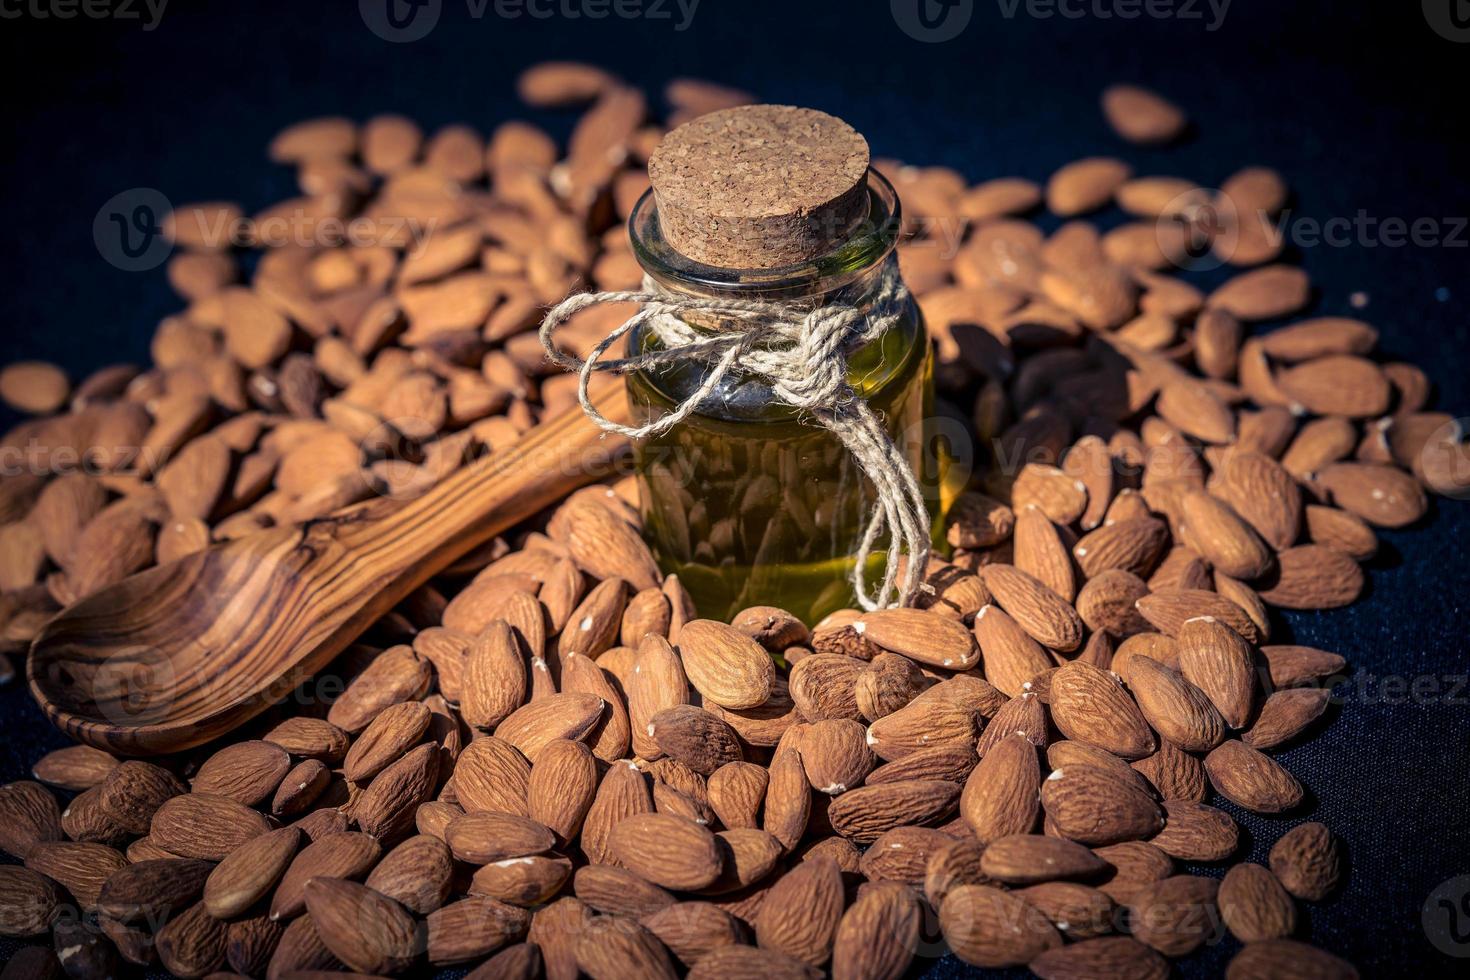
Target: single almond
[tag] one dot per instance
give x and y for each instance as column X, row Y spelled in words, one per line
column 1384, row 496
column 1043, row 614
column 561, row 787
column 1000, row 797
column 525, row 882
column 148, row 890
column 593, row 626
column 1090, row 705
column 617, row 947
column 367, row 931
column 1105, row 956
column 1085, row 185
column 815, row 887
column 726, row 666
column 1254, row 905
column 199, row 825
column 1134, row 865
column 1141, row 116
column 81, row 868
column 1026, row 859
column 657, row 682
column 1093, row 806
column 603, row 546
column 1218, row 661
column 250, row 872
column 670, row 851
column 247, row 772
column 1338, row 384
column 1284, row 715
column 1169, row 609
column 483, row 837
column 1133, row 544
column 1308, row 861
column 1039, row 551
column 1011, row 656
column 559, row 716
column 133, row 792
column 1276, row 957
column 878, row 934
column 416, row 874
column 1108, row 601
column 1174, row 774
column 835, row 755
column 923, row 636
column 1024, row 715
column 495, row 677
column 491, row 774
column 922, row 724
column 987, row 927
column 1222, row 538
column 1178, row 710
column 692, row 930
column 1196, row 832
column 346, row 855
column 76, row 767
column 1176, row 915
column 29, row 815
column 1263, row 294
column 1310, row 576
column 864, row 814
column 1251, row 779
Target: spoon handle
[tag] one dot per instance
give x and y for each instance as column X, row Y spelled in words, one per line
column 466, row 509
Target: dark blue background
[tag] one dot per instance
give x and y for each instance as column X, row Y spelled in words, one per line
column 1362, row 109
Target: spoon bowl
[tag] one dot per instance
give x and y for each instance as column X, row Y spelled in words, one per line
column 182, row 653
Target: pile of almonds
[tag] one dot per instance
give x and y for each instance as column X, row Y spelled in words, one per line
column 544, row 762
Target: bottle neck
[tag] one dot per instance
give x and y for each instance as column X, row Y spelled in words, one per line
column 860, row 273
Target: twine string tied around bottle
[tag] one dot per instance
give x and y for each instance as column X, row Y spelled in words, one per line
column 804, row 358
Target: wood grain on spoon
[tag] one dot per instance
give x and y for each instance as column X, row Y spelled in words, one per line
column 182, row 653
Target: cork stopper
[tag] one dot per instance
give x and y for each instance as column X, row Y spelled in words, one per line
column 760, row 186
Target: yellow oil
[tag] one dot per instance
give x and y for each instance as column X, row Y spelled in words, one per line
column 750, row 504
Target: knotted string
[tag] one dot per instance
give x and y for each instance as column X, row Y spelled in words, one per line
column 803, row 356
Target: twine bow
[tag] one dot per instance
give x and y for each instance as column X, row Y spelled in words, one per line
column 804, row 359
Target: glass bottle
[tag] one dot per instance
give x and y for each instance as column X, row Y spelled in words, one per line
column 745, row 500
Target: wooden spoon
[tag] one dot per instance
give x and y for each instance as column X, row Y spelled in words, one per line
column 180, row 654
